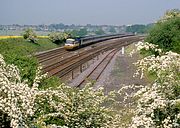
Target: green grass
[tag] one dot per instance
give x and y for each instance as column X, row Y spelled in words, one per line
column 25, row 47
column 18, row 51
column 129, row 48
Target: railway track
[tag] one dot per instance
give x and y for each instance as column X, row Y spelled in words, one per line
column 48, row 52
column 58, row 65
column 73, row 57
column 97, row 70
column 50, row 55
column 44, row 59
column 70, row 64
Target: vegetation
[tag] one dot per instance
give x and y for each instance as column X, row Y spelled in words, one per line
column 81, row 32
column 112, row 30
column 24, row 47
column 41, row 102
column 17, row 51
column 27, row 106
column 158, row 103
column 166, row 34
column 138, row 29
column 99, row 32
column 60, row 105
column 170, row 14
column 7, row 37
column 30, row 35
column 58, row 37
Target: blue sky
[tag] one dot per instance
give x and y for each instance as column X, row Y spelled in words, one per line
column 97, row 12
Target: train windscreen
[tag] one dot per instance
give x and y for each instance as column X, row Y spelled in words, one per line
column 70, row 41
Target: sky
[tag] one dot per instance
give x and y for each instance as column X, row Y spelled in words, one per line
column 82, row 12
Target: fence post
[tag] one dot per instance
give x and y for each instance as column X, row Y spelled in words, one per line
column 72, row 74
column 122, row 50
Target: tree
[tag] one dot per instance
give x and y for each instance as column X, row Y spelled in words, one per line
column 112, row 30
column 58, row 37
column 166, row 34
column 82, row 32
column 138, row 28
column 30, row 35
column 99, row 32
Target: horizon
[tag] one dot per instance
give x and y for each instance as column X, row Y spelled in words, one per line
column 75, row 24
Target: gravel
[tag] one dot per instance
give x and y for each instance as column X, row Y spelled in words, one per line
column 120, row 72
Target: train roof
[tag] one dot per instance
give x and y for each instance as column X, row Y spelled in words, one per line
column 70, row 39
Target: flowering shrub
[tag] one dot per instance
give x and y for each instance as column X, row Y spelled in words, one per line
column 58, row 37
column 16, row 98
column 158, row 104
column 74, row 108
column 30, row 35
column 170, row 14
column 25, row 106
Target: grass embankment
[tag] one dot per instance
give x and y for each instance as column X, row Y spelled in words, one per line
column 19, row 45
column 17, row 50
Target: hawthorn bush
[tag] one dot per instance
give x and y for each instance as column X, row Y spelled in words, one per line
column 28, row 106
column 158, row 104
column 30, row 35
column 58, row 37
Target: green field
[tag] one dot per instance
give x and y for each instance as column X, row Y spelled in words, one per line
column 24, row 46
column 19, row 33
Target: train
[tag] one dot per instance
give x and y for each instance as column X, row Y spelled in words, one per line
column 74, row 43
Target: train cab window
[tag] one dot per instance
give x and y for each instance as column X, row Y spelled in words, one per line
column 70, row 41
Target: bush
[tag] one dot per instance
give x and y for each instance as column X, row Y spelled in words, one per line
column 4, row 120
column 30, row 35
column 158, row 103
column 166, row 34
column 66, row 106
column 27, row 66
column 17, row 55
column 51, row 82
column 25, row 106
column 58, row 38
column 20, row 53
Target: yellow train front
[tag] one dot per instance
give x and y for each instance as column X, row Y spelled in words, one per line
column 71, row 44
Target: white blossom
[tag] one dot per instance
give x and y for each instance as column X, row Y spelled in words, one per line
column 157, row 96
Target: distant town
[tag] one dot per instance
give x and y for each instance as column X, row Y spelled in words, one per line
column 16, row 29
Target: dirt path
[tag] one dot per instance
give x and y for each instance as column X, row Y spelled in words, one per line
column 120, row 71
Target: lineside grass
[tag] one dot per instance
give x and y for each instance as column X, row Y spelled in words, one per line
column 19, row 52
column 149, row 76
column 17, row 42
